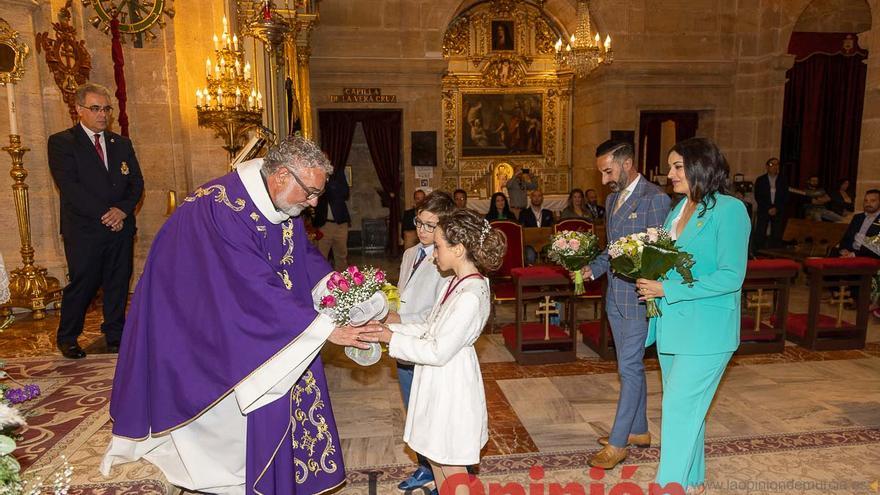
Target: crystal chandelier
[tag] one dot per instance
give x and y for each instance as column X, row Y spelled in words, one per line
column 584, row 53
column 229, row 103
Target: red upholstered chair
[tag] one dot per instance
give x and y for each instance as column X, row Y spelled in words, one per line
column 540, row 342
column 765, row 305
column 501, row 281
column 822, row 332
column 574, row 224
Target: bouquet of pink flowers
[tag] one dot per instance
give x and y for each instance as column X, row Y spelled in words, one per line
column 348, row 291
column 650, row 255
column 574, row 250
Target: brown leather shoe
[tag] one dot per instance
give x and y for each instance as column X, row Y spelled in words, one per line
column 608, row 457
column 642, row 440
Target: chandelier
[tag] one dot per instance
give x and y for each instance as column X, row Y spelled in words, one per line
column 229, row 103
column 583, row 53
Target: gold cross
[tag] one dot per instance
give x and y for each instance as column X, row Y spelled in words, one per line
column 546, row 308
column 758, row 301
column 840, row 297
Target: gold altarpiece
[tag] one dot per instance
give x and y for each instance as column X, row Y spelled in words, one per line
column 501, row 56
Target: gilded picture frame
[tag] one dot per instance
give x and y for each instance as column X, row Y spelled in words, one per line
column 502, row 124
column 13, row 53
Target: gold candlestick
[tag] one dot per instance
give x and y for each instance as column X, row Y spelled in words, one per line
column 30, row 286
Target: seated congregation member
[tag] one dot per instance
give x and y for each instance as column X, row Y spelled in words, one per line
column 447, row 419
column 594, row 209
column 535, row 216
column 420, row 286
column 841, row 201
column 499, row 209
column 698, row 330
column 460, row 197
column 576, row 207
column 861, row 227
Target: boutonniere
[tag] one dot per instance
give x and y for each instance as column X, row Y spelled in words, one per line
column 124, row 168
column 633, row 216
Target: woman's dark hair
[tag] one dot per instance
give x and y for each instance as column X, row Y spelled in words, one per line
column 706, row 170
column 493, row 210
column 485, row 246
column 574, row 191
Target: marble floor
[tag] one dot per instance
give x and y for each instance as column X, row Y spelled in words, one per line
column 796, row 422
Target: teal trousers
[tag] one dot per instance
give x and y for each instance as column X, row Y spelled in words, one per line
column 689, row 384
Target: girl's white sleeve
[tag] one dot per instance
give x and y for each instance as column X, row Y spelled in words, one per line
column 458, row 325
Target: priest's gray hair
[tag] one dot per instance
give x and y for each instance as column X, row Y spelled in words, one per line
column 296, row 153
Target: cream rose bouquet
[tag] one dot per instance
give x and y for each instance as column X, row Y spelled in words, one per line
column 574, row 250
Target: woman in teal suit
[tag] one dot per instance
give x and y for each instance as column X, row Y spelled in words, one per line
column 699, row 329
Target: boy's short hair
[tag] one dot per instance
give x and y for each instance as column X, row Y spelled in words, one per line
column 439, row 203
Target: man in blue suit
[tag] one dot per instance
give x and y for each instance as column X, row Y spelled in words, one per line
column 634, row 205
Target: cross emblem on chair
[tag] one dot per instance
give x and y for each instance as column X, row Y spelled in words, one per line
column 547, row 308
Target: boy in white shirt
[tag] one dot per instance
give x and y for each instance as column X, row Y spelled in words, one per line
column 420, row 285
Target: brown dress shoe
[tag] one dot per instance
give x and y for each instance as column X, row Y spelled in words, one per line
column 642, row 440
column 608, row 457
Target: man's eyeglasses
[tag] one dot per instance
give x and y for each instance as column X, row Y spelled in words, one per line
column 98, row 109
column 311, row 192
column 427, row 227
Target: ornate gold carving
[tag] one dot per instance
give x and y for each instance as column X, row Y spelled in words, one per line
column 544, row 38
column 14, row 48
column 450, row 114
column 503, row 7
column 312, row 428
column 287, row 240
column 504, row 70
column 221, row 196
column 457, row 38
column 549, row 138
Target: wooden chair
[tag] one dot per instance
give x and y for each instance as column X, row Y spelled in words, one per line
column 766, row 291
column 806, row 238
column 573, row 224
column 503, row 290
column 820, row 332
column 542, row 342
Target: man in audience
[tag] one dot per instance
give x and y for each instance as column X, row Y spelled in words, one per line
column 862, row 227
column 771, row 194
column 517, row 190
column 460, row 197
column 408, row 221
column 332, row 217
column 817, row 208
column 596, row 211
column 535, row 216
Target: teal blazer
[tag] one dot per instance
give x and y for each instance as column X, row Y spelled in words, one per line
column 705, row 317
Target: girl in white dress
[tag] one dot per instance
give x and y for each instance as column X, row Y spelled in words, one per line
column 447, row 420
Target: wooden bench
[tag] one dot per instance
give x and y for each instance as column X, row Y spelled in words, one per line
column 806, row 239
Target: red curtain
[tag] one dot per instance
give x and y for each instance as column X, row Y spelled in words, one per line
column 382, row 129
column 650, row 124
column 822, row 113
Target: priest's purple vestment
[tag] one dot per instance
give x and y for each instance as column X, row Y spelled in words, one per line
column 218, row 381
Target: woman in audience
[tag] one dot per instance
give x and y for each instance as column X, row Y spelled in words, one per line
column 499, row 209
column 698, row 330
column 576, row 207
column 841, row 201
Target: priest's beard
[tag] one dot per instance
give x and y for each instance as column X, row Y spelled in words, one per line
column 290, row 209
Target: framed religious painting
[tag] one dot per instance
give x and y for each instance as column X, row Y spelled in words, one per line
column 502, row 36
column 501, row 124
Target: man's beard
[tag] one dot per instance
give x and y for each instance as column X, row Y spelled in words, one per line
column 621, row 182
column 292, row 210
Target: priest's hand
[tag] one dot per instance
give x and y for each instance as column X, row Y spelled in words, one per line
column 351, row 336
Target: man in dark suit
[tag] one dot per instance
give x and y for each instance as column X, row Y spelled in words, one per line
column 332, row 217
column 596, row 211
column 771, row 193
column 100, row 184
column 862, row 226
column 535, row 216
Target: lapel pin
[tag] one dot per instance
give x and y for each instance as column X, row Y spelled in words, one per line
column 112, row 140
column 123, row 168
column 633, row 216
column 699, row 224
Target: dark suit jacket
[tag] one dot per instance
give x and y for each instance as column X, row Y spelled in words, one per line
column 88, row 189
column 408, row 220
column 600, row 211
column 334, row 197
column 527, row 218
column 849, row 237
column 762, row 194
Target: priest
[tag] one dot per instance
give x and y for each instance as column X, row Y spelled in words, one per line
column 218, row 381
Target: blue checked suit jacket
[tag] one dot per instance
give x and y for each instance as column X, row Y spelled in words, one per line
column 646, row 207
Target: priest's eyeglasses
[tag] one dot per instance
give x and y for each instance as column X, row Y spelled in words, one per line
column 427, row 227
column 98, row 109
column 311, row 192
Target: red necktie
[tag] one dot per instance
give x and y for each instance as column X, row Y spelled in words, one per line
column 99, row 149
